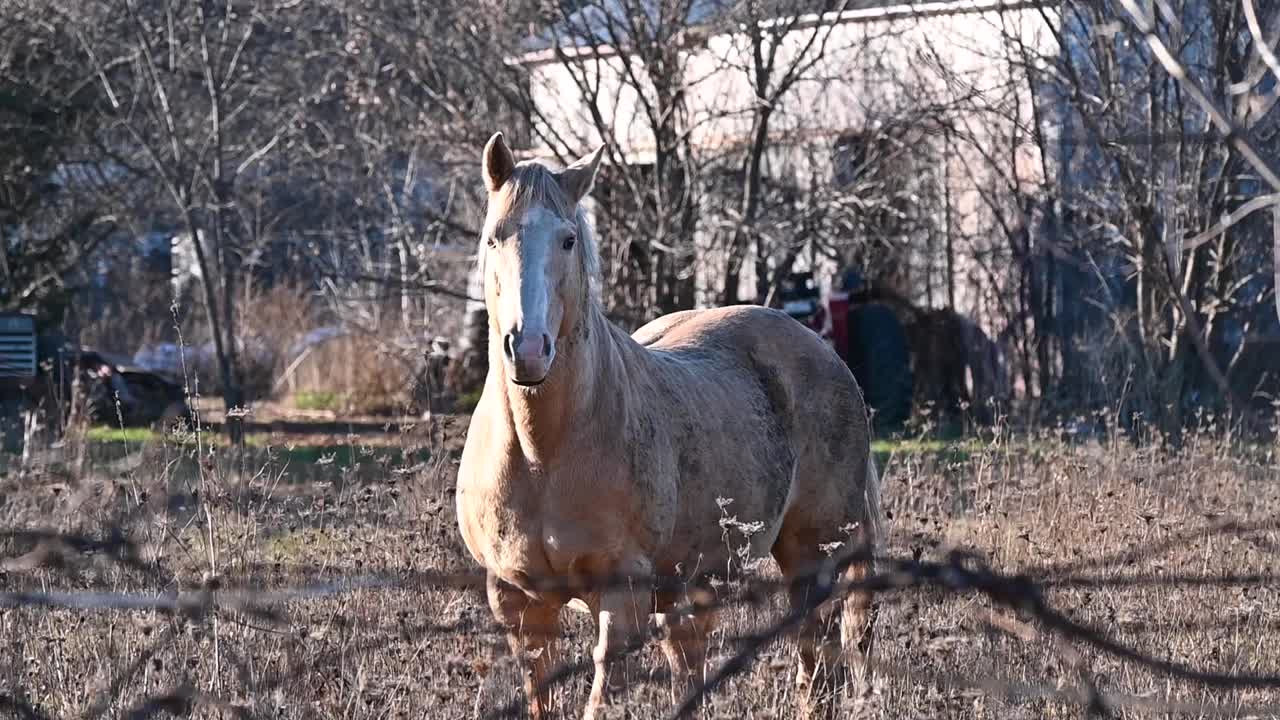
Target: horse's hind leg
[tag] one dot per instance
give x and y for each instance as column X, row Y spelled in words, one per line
column 532, row 629
column 684, row 642
column 817, row 636
column 857, row 621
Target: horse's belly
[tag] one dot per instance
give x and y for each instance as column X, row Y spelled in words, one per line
column 735, row 484
column 723, row 530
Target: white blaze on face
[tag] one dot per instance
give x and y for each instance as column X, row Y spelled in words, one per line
column 530, row 306
column 537, row 237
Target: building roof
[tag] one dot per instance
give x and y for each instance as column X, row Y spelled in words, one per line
column 606, row 22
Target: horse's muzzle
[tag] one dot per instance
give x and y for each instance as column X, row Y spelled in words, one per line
column 528, row 357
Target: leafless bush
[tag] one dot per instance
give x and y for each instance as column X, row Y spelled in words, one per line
column 364, row 374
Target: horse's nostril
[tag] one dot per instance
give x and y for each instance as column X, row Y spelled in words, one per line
column 546, row 346
column 509, row 346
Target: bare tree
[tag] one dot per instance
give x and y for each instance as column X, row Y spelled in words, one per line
column 784, row 43
column 197, row 115
column 1136, row 175
column 331, row 145
column 56, row 202
column 633, row 52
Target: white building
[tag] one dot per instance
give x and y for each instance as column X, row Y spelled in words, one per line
column 953, row 63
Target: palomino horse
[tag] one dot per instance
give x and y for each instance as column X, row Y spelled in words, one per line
column 594, row 455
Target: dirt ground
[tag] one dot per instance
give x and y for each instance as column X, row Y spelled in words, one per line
column 332, row 559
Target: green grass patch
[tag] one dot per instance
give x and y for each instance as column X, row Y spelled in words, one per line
column 347, row 456
column 142, row 435
column 135, row 437
column 467, row 402
column 299, row 463
column 921, row 446
column 957, row 450
column 131, row 436
column 317, row 400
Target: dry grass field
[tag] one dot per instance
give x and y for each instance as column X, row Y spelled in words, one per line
column 148, row 576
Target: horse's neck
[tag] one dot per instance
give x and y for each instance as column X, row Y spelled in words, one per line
column 586, row 387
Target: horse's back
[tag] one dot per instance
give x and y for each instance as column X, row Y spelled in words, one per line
column 732, row 327
column 796, row 384
column 653, row 331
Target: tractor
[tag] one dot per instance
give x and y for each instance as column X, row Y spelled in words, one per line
column 866, row 335
column 904, row 357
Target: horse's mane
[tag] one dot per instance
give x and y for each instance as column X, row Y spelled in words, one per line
column 533, row 184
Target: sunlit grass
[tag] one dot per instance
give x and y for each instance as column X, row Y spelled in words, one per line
column 908, row 446
column 332, row 455
column 106, row 434
column 318, row 400
column 132, row 436
column 142, row 436
column 953, row 448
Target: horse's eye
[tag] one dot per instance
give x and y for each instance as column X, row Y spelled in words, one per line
column 492, row 242
column 569, row 241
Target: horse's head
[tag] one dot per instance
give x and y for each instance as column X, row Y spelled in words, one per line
column 539, row 259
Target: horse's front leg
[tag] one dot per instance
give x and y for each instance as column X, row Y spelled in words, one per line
column 532, row 630
column 623, row 617
column 685, row 644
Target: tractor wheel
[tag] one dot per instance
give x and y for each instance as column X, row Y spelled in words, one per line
column 880, row 358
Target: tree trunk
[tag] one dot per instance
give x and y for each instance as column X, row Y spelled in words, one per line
column 743, row 231
column 228, row 258
column 1275, row 255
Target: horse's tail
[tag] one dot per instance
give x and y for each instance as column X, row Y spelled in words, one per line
column 875, row 514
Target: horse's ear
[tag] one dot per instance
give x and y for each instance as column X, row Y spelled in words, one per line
column 576, row 180
column 497, row 162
